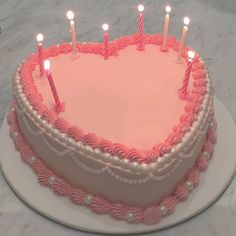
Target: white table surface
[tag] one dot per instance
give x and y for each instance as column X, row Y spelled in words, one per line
column 212, row 33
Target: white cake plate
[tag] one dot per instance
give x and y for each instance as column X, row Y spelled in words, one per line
column 24, row 183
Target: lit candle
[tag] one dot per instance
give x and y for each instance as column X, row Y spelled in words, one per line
column 140, row 28
column 183, row 91
column 70, row 16
column 39, row 39
column 58, row 104
column 183, row 37
column 165, row 30
column 105, row 41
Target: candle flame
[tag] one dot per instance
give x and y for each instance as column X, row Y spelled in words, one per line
column 105, row 27
column 140, row 8
column 186, row 20
column 70, row 15
column 46, row 64
column 191, row 54
column 168, row 9
column 39, row 38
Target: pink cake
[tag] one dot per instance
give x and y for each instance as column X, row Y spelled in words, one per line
column 126, row 144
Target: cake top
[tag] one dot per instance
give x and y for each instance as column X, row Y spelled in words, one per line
column 128, row 105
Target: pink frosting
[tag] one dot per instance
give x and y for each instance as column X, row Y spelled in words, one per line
column 76, row 133
column 134, row 154
column 211, row 135
column 198, row 66
column 106, row 146
column 193, row 107
column 181, row 192
column 121, row 150
column 26, row 153
column 118, row 211
column 44, row 174
column 170, row 203
column 62, row 124
column 91, row 139
column 151, row 156
column 137, row 214
column 174, row 138
column 162, row 148
column 65, row 48
column 188, row 117
column 100, row 205
column 151, row 215
column 199, row 74
column 61, row 187
column 49, row 115
column 201, row 163
column 77, row 196
column 182, row 128
column 193, row 176
column 208, row 147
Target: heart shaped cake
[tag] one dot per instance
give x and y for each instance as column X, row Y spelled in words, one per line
column 125, row 144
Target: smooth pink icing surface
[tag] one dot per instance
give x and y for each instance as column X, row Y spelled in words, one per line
column 130, row 98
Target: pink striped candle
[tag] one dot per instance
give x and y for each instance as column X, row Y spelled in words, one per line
column 140, row 28
column 105, row 41
column 59, row 106
column 183, row 91
column 39, row 38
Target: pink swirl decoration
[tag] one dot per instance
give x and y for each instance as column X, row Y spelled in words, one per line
column 37, row 166
column 211, row 135
column 26, row 153
column 193, row 176
column 181, row 192
column 174, row 138
column 188, row 117
column 171, row 41
column 121, row 150
column 19, row 142
column 199, row 83
column 134, row 154
column 44, row 175
column 151, row 215
column 199, row 74
column 201, row 163
column 106, row 146
column 62, row 124
column 65, row 48
column 208, row 147
column 150, row 156
column 182, row 128
column 91, row 139
column 193, row 107
column 100, row 205
column 50, row 116
column 137, row 214
column 156, row 39
column 61, row 187
column 170, row 203
column 76, row 133
column 40, row 108
column 198, row 66
column 54, row 51
column 199, row 90
column 77, row 196
column 197, row 98
column 162, row 148
column 118, row 211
